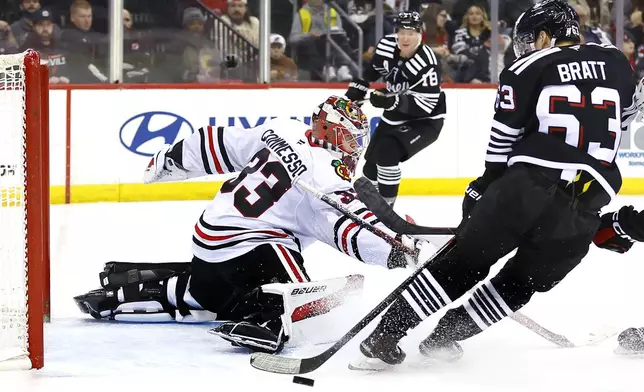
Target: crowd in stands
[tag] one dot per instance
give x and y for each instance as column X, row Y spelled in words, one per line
column 217, row 41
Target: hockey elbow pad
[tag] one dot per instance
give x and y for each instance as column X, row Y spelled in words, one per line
column 616, row 231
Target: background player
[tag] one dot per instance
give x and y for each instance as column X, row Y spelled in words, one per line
column 550, row 167
column 254, row 230
column 411, row 121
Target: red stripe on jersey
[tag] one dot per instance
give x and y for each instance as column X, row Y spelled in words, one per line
column 345, row 234
column 291, row 263
column 211, row 146
column 346, row 231
column 208, row 237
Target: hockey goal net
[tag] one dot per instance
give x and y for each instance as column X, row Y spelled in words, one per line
column 24, row 209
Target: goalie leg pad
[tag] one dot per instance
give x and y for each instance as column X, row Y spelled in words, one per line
column 111, row 305
column 117, row 274
column 269, row 312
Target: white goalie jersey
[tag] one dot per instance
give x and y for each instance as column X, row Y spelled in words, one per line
column 262, row 205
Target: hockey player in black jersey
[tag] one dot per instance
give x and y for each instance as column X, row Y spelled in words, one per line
column 550, row 167
column 412, row 120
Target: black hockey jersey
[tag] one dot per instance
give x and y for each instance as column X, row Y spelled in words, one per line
column 564, row 108
column 422, row 71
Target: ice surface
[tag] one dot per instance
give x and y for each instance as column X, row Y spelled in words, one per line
column 82, row 354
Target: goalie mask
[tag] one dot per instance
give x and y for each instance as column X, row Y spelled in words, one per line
column 339, row 126
column 555, row 17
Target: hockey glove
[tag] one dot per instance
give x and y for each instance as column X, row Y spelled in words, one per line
column 617, row 230
column 357, row 90
column 473, row 194
column 398, row 258
column 379, row 100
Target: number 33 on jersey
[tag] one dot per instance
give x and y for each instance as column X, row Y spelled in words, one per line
column 580, row 95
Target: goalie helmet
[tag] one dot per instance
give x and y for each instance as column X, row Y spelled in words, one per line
column 558, row 19
column 341, row 127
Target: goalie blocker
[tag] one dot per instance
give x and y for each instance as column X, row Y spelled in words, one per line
column 148, row 292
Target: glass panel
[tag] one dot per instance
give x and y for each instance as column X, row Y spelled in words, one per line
column 205, row 42
column 70, row 37
column 160, row 48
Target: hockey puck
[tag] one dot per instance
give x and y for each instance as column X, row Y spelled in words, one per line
column 303, row 380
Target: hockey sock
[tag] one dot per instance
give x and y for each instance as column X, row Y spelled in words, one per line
column 422, row 298
column 425, row 296
column 388, row 182
column 484, row 308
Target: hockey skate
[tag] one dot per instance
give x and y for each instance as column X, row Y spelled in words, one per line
column 378, row 352
column 438, row 350
column 631, row 342
column 267, row 337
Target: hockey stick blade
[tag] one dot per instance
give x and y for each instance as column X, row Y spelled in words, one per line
column 368, row 194
column 285, row 365
column 545, row 333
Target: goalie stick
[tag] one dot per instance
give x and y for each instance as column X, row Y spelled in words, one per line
column 368, row 194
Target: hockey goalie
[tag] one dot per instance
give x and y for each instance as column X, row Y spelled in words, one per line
column 247, row 267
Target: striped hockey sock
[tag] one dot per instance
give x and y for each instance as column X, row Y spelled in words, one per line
column 388, row 182
column 425, row 296
column 486, row 307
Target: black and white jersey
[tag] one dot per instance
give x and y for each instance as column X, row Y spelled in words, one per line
column 422, row 71
column 564, row 108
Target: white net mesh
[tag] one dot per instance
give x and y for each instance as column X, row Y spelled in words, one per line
column 13, row 230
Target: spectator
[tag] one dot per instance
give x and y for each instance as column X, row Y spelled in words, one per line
column 197, row 58
column 636, row 28
column 64, row 66
column 127, row 20
column 8, row 42
column 598, row 12
column 479, row 70
column 589, row 32
column 467, row 40
column 23, row 26
column 137, row 52
column 435, row 35
column 283, row 68
column 474, row 23
column 308, row 36
column 79, row 37
column 363, row 13
column 239, row 19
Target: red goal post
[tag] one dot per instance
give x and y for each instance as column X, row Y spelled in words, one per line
column 24, row 210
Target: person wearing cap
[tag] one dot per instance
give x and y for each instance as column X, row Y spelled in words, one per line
column 283, row 68
column 239, row 19
column 191, row 56
column 23, row 26
column 65, row 66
